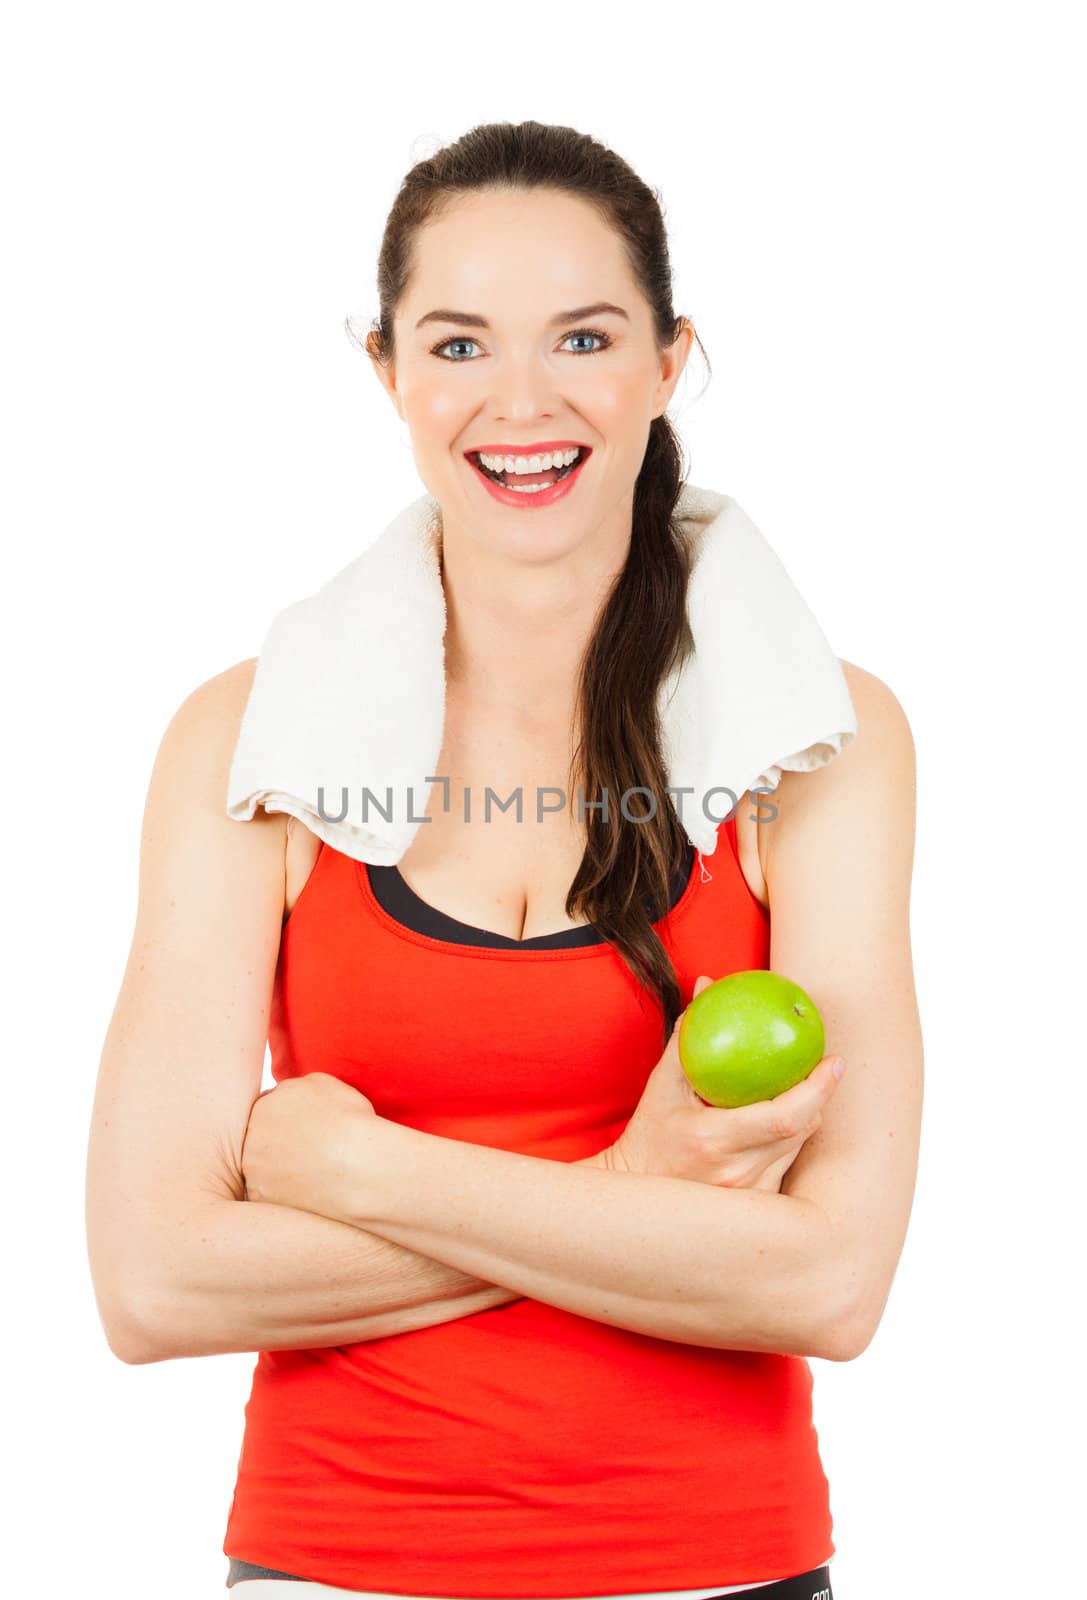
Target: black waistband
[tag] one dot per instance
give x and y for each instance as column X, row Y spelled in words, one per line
column 813, row 1585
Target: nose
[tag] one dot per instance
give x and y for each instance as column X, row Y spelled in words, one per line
column 522, row 390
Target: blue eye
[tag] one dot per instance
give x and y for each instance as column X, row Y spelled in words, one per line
column 588, row 333
column 438, row 348
column 604, row 340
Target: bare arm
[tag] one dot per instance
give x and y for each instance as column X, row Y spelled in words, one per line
column 839, row 868
column 170, row 1241
column 722, row 1268
column 252, row 1276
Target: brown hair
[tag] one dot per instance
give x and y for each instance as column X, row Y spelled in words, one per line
column 642, row 631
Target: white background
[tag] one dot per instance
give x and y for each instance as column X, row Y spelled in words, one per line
column 874, row 222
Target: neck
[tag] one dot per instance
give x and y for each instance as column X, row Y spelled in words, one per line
column 517, row 629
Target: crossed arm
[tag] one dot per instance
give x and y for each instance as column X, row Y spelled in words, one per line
column 727, row 1268
column 807, row 1271
column 651, row 1254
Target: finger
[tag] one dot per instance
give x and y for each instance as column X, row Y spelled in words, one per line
column 831, row 1069
column 791, row 1113
column 817, row 1087
column 700, row 984
column 807, row 1099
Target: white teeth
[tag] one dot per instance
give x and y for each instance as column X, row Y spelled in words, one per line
column 523, row 464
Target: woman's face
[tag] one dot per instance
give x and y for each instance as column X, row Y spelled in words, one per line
column 505, row 368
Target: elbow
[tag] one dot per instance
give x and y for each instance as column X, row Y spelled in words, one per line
column 134, row 1354
column 844, row 1341
column 120, row 1284
column 852, row 1308
column 130, row 1334
column 132, row 1346
column 851, row 1330
column 164, row 1327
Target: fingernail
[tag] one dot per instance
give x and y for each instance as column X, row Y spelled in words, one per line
column 839, row 1067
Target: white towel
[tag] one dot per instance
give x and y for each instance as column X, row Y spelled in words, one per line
column 349, row 690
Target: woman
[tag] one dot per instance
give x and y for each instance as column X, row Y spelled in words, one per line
column 503, row 1351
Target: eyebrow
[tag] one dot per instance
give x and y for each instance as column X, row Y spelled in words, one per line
column 470, row 319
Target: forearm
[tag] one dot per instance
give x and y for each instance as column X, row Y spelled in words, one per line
column 247, row 1276
column 724, row 1268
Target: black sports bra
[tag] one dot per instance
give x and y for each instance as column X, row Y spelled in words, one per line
column 394, row 895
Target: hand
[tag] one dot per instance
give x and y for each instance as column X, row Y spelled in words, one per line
column 302, row 1143
column 675, row 1134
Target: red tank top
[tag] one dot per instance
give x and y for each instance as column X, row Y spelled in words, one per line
column 522, row 1450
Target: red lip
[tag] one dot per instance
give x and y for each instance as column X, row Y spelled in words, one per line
column 540, row 449
column 526, row 502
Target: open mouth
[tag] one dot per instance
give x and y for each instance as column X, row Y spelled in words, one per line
column 511, row 472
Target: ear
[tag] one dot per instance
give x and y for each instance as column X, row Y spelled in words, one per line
column 673, row 359
column 386, row 375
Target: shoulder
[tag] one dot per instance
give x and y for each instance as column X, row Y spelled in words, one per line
column 218, row 698
column 883, row 743
column 873, row 700
column 210, row 715
column 197, row 747
column 874, row 773
column 196, row 861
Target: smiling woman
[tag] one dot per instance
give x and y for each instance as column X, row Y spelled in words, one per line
column 511, row 1283
column 515, row 378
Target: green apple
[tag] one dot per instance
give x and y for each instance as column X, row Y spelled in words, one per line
column 749, row 1037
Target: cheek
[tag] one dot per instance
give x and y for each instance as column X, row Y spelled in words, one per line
column 616, row 402
column 440, row 407
column 437, row 410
